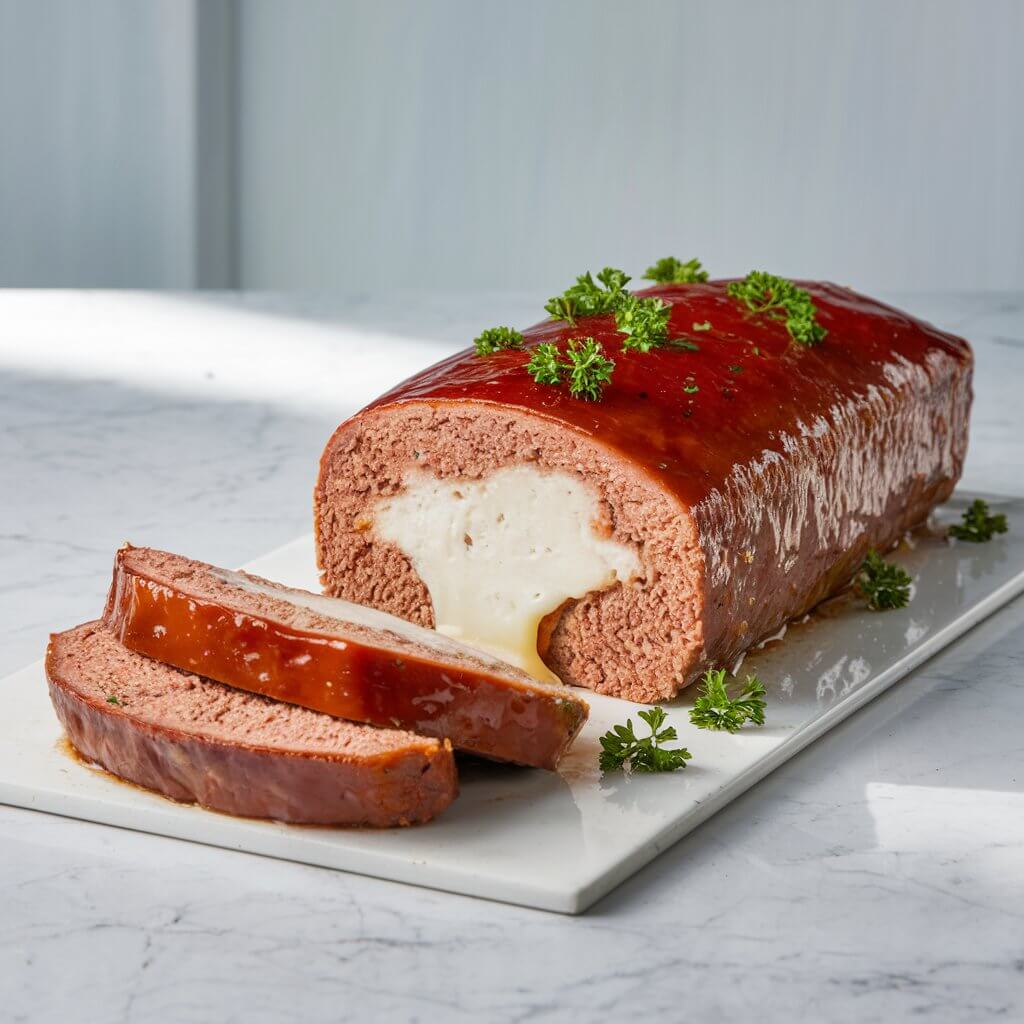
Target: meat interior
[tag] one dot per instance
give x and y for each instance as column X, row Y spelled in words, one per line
column 636, row 634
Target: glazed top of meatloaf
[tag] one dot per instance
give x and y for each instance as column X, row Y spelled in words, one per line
column 756, row 389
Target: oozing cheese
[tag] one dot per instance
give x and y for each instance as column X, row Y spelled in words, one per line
column 499, row 554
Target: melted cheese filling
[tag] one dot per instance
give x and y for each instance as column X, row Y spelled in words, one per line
column 498, row 554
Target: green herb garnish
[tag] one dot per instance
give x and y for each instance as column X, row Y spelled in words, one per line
column 978, row 526
column 588, row 297
column 114, row 699
column 684, row 343
column 780, row 299
column 669, row 270
column 622, row 748
column 715, row 709
column 736, row 369
column 584, row 362
column 705, row 326
column 690, row 389
column 545, row 364
column 883, row 584
column 643, row 321
column 495, row 339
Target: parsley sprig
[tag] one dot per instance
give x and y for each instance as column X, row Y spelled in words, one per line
column 643, row 321
column 715, row 709
column 584, row 362
column 978, row 526
column 621, row 748
column 588, row 297
column 495, row 339
column 883, row 584
column 780, row 299
column 669, row 270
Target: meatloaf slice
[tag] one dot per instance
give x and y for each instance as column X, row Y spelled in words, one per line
column 745, row 474
column 332, row 656
column 197, row 741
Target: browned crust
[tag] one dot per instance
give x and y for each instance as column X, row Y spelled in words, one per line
column 396, row 788
column 780, row 538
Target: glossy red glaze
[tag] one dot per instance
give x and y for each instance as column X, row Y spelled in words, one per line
column 753, row 382
column 479, row 712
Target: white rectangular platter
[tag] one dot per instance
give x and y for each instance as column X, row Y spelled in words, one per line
column 561, row 841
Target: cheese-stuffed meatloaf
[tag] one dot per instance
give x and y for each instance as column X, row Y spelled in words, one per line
column 720, row 483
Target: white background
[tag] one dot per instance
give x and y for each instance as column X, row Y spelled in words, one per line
column 454, row 143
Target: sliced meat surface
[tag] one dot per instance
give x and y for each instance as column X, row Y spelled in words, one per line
column 197, row 741
column 335, row 657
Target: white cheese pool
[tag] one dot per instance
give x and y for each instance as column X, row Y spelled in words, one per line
column 498, row 554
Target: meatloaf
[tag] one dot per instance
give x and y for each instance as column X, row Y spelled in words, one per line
column 719, row 487
column 332, row 656
column 197, row 741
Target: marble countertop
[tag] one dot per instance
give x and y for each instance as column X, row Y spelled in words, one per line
column 878, row 875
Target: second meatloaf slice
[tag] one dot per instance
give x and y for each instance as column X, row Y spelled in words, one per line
column 719, row 487
column 197, row 741
column 332, row 656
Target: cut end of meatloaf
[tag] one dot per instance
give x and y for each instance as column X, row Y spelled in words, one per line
column 197, row 741
column 635, row 638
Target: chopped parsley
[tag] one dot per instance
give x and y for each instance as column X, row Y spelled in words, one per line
column 690, row 389
column 780, row 299
column 589, row 372
column 715, row 709
column 683, row 343
column 669, row 270
column 883, row 584
column 545, row 365
column 643, row 321
column 588, row 297
column 621, row 748
column 704, row 326
column 978, row 526
column 495, row 339
column 114, row 699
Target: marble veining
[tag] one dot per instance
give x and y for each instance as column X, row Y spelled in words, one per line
column 875, row 877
